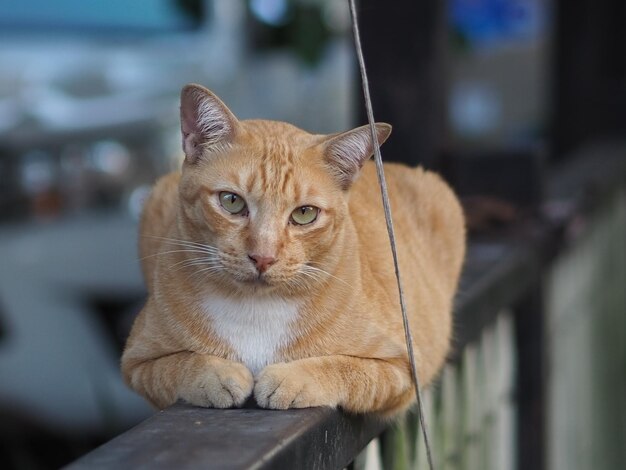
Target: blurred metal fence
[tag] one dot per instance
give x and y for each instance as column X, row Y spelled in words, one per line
column 471, row 412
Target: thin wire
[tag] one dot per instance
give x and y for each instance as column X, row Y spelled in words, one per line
column 392, row 238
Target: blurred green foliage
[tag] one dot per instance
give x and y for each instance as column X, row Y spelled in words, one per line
column 304, row 31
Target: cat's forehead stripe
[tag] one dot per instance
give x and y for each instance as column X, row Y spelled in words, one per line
column 250, row 180
column 275, row 170
column 234, row 176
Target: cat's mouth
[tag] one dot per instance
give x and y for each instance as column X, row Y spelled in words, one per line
column 248, row 278
column 258, row 280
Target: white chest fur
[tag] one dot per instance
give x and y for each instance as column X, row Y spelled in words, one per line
column 254, row 328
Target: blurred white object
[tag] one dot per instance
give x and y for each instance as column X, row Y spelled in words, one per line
column 475, row 108
column 58, row 364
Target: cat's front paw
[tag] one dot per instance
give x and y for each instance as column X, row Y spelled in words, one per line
column 224, row 384
column 283, row 386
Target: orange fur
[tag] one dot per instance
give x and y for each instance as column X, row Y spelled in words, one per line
column 344, row 345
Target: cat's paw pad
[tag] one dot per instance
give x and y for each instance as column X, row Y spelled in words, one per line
column 283, row 386
column 223, row 386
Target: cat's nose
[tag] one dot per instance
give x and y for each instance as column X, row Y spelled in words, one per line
column 262, row 262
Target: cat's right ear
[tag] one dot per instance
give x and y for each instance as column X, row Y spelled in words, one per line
column 205, row 121
column 346, row 153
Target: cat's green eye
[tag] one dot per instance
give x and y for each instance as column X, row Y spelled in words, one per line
column 304, row 215
column 232, row 202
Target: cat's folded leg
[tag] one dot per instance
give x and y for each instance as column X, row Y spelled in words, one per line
column 198, row 379
column 357, row 385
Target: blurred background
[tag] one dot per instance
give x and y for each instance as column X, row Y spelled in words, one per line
column 496, row 94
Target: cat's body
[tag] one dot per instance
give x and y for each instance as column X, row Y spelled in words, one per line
column 298, row 315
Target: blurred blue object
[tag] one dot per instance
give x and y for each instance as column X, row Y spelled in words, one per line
column 484, row 23
column 272, row 12
column 100, row 14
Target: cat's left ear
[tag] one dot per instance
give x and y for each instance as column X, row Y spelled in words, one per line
column 346, row 153
column 205, row 121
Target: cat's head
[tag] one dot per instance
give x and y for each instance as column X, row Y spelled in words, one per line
column 271, row 199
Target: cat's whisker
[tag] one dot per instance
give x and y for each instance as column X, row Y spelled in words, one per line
column 205, row 249
column 316, row 277
column 206, row 271
column 304, row 285
column 170, row 252
column 175, row 240
column 310, row 275
column 311, row 269
column 185, row 243
column 296, row 284
column 196, row 262
column 211, row 268
column 295, row 288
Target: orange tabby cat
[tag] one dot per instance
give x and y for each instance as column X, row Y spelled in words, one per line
column 270, row 274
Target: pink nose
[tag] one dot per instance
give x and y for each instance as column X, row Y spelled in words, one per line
column 262, row 262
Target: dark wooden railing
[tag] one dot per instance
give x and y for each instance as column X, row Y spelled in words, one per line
column 491, row 392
